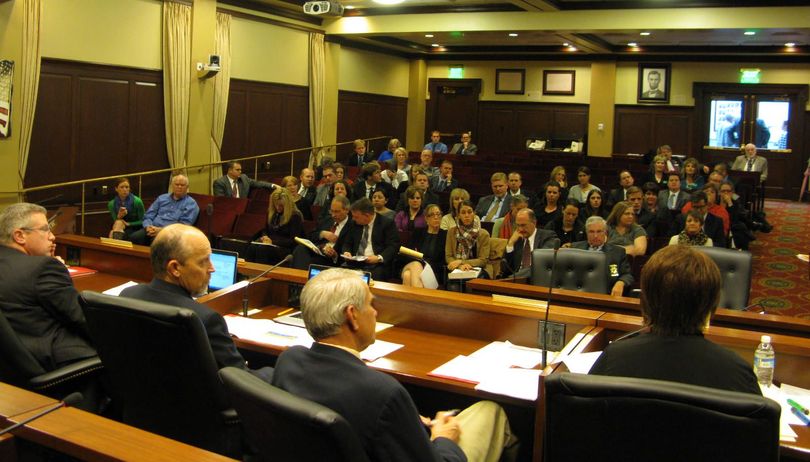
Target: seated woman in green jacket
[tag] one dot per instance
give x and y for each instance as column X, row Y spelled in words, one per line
column 126, row 210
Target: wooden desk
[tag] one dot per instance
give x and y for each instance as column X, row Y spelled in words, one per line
column 765, row 323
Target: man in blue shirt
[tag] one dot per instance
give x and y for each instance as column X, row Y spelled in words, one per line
column 169, row 208
column 435, row 144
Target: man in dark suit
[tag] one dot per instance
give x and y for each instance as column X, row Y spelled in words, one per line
column 496, row 204
column 324, row 237
column 618, row 268
column 181, row 267
column 515, row 181
column 751, row 162
column 444, row 181
column 672, row 199
column 524, row 240
column 420, row 180
column 38, row 297
column 307, row 191
column 371, row 236
column 644, row 217
column 620, row 194
column 371, row 180
column 235, row 184
column 338, row 311
column 712, row 225
column 359, row 157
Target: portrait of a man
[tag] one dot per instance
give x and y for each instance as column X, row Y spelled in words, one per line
column 653, row 82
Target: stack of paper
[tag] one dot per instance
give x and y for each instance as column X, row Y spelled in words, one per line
column 117, row 289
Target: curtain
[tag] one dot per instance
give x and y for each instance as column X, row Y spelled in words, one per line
column 176, row 79
column 29, row 83
column 316, row 96
column 222, row 83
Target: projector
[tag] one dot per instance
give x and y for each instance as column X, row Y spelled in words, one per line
column 323, row 8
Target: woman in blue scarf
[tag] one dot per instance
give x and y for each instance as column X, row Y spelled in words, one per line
column 126, row 210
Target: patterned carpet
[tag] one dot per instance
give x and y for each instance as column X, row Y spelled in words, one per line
column 780, row 280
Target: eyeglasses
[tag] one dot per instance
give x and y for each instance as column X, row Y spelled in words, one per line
column 434, row 214
column 44, row 229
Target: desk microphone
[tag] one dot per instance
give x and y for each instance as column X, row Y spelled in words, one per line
column 70, row 400
column 544, row 361
column 252, row 280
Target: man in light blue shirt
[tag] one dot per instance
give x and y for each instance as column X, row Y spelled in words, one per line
column 435, row 145
column 169, row 208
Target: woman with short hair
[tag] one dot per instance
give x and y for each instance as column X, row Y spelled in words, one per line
column 126, row 210
column 692, row 233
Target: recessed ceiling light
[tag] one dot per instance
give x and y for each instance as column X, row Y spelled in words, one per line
column 388, row 2
column 513, row 34
column 566, row 44
column 790, row 44
column 572, row 48
column 349, row 7
column 750, row 32
column 644, row 33
column 434, row 45
column 632, row 44
column 428, row 35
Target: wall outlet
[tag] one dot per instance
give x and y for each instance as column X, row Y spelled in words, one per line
column 555, row 335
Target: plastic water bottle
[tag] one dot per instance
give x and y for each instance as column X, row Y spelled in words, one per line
column 764, row 361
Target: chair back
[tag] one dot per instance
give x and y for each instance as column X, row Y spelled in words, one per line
column 236, row 205
column 18, row 364
column 735, row 270
column 284, row 427
column 641, row 419
column 162, row 371
column 576, row 269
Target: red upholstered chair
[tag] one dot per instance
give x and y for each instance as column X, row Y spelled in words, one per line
column 237, row 205
column 257, row 206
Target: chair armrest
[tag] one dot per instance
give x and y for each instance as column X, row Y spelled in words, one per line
column 66, row 373
column 229, row 417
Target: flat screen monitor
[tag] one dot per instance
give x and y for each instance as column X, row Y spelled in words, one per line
column 315, row 269
column 225, row 273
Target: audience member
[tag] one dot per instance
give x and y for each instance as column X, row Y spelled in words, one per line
column 325, row 237
column 594, row 206
column 126, row 210
column 620, row 194
column 322, row 192
column 467, row 243
column 713, row 206
column 672, row 199
column 430, row 241
column 277, row 239
column 388, row 154
column 436, row 146
column 692, row 233
column 466, row 147
column 749, row 161
column 307, row 192
column 580, row 191
column 496, row 204
column 741, row 224
column 558, row 174
column 398, row 170
column 618, row 268
column 691, row 177
column 672, row 164
column 643, row 217
column 169, row 208
column 340, row 173
column 657, row 173
column 412, row 217
column 236, row 184
column 712, row 226
column 550, row 206
column 526, row 237
column 426, row 158
column 504, row 226
column 371, row 180
column 422, row 183
column 359, row 157
column 624, row 231
column 457, row 196
column 371, row 237
column 673, row 347
column 515, row 182
column 444, row 181
column 567, row 225
column 380, row 201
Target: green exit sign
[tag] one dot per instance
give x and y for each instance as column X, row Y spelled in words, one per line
column 749, row 75
column 456, row 72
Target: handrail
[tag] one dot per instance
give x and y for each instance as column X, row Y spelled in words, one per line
column 199, row 167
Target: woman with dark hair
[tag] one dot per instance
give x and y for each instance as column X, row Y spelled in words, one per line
column 412, row 217
column 691, row 178
column 568, row 226
column 338, row 188
column 380, row 200
column 692, row 233
column 284, row 224
column 580, row 191
column 623, row 230
column 430, row 241
column 467, row 243
column 672, row 346
column 126, row 210
column 594, row 206
column 340, row 173
column 550, row 204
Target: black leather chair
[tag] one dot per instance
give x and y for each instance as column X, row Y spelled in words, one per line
column 18, row 367
column 598, row 418
column 162, row 371
column 576, row 269
column 283, row 427
column 735, row 269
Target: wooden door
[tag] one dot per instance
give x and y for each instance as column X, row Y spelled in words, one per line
column 453, row 108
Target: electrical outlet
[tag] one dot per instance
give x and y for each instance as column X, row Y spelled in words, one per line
column 104, row 189
column 555, row 335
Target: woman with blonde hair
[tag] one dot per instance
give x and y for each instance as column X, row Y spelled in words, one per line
column 457, row 196
column 398, row 170
column 559, row 176
column 430, row 241
column 657, row 173
column 284, row 224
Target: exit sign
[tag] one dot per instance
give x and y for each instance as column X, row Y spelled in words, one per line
column 749, row 75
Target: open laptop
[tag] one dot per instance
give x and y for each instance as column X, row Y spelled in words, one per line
column 225, row 273
column 294, row 319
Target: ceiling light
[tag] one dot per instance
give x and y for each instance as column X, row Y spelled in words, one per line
column 750, row 32
column 349, row 7
column 428, row 35
column 566, row 44
column 434, row 45
column 388, row 2
column 644, row 33
column 632, row 44
column 513, row 34
column 572, row 48
column 790, row 44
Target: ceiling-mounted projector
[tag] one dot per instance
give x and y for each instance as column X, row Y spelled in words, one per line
column 323, row 8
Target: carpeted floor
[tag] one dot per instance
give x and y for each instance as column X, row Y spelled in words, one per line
column 780, row 280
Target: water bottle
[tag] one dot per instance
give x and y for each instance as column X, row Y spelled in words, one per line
column 764, row 361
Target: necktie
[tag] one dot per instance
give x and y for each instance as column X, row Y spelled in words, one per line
column 369, row 191
column 361, row 249
column 496, row 204
column 334, row 227
column 750, row 166
column 625, row 194
column 526, row 259
column 235, row 190
column 672, row 198
column 442, row 184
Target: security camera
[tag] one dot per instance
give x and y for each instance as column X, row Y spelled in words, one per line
column 206, row 71
column 323, row 8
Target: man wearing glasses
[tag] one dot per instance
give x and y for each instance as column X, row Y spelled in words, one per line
column 37, row 296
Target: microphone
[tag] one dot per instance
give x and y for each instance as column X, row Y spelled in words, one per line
column 544, row 361
column 70, row 400
column 52, row 220
column 252, row 280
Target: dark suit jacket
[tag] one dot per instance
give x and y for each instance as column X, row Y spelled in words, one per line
column 534, row 199
column 712, row 226
column 615, row 196
column 647, row 220
column 436, row 187
column 544, row 239
column 663, row 199
column 384, row 239
column 352, row 160
column 458, row 148
column 222, row 186
column 486, row 201
column 39, row 301
column 428, row 198
column 159, row 291
column 307, row 199
column 618, row 268
column 377, row 407
column 360, row 191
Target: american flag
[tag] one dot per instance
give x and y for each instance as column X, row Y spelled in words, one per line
column 6, row 74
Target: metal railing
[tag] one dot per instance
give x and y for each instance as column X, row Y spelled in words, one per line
column 199, row 167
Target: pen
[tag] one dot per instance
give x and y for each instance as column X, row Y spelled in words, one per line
column 798, row 407
column 287, row 311
column 450, row 413
column 802, row 417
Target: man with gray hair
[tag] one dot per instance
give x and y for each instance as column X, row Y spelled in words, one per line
column 37, row 296
column 169, row 208
column 338, row 311
column 618, row 268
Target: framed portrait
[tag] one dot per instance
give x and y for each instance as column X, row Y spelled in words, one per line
column 559, row 82
column 653, row 82
column 510, row 81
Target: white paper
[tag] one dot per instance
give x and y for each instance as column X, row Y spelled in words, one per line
column 469, row 274
column 506, row 354
column 429, row 277
column 378, row 349
column 266, row 331
column 518, row 383
column 785, row 432
column 117, row 289
column 581, row 363
column 461, row 368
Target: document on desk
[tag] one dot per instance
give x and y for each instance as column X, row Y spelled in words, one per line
column 581, row 363
column 515, row 382
column 786, row 418
column 266, row 331
column 118, row 289
column 378, row 349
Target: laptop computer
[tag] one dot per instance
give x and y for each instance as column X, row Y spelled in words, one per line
column 225, row 273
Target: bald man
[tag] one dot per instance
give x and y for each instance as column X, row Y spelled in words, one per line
column 751, row 162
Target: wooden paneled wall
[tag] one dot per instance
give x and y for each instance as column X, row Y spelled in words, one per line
column 93, row 121
column 505, row 126
column 641, row 128
column 367, row 115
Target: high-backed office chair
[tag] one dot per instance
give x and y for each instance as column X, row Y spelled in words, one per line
column 598, row 418
column 283, row 427
column 576, row 269
column 735, row 269
column 18, row 367
column 162, row 371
